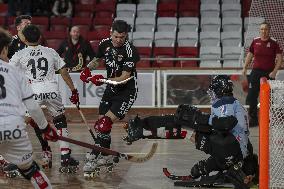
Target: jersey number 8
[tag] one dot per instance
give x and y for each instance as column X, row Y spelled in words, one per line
column 2, row 87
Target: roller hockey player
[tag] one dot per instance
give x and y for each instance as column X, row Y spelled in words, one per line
column 120, row 59
column 16, row 96
column 223, row 134
column 39, row 64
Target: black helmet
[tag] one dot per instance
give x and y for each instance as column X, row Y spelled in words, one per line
column 221, row 85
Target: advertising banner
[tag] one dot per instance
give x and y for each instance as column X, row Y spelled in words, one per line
column 90, row 95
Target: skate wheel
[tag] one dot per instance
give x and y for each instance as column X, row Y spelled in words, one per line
column 109, row 169
column 63, row 170
column 128, row 142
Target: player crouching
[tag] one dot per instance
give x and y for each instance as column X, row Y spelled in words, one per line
column 223, row 135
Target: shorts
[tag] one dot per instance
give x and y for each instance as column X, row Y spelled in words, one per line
column 15, row 145
column 52, row 101
column 119, row 103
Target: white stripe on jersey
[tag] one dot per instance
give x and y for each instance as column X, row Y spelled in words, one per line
column 38, row 62
column 128, row 49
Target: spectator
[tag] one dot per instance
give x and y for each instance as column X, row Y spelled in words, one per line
column 267, row 59
column 75, row 50
column 62, row 8
column 18, row 7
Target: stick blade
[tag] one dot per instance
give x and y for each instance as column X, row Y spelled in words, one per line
column 147, row 157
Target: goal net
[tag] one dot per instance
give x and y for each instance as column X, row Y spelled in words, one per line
column 271, row 134
column 270, row 11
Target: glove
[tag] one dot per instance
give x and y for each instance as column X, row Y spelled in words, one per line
column 85, row 74
column 75, row 97
column 95, row 80
column 49, row 133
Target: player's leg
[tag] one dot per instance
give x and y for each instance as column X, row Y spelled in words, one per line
column 46, row 150
column 56, row 109
column 153, row 127
column 19, row 152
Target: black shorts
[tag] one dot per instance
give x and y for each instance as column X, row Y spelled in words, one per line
column 119, row 103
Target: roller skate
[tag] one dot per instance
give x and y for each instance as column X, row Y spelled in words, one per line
column 68, row 164
column 46, row 158
column 11, row 170
column 97, row 165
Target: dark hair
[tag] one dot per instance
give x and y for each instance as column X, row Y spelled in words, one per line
column 5, row 39
column 19, row 19
column 31, row 33
column 120, row 26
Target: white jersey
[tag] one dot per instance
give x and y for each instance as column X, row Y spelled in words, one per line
column 14, row 88
column 39, row 64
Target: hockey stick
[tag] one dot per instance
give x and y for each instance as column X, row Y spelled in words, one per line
column 175, row 177
column 128, row 157
column 107, row 81
column 85, row 122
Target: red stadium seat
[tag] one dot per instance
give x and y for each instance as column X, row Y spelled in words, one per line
column 59, row 23
column 84, row 10
column 187, row 52
column 98, row 35
column 144, row 52
column 189, row 8
column 104, row 23
column 165, row 52
column 95, row 44
column 3, row 9
column 105, row 10
column 2, row 21
column 54, row 38
column 11, row 22
column 55, row 34
column 167, row 10
column 42, row 22
column 54, row 43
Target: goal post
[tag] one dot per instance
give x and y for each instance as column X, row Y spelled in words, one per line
column 271, row 134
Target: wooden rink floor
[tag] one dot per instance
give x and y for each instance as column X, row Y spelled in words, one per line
column 177, row 155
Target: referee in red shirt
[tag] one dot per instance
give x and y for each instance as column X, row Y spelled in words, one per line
column 267, row 59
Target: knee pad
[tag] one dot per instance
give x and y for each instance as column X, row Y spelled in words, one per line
column 60, row 121
column 29, row 172
column 103, row 125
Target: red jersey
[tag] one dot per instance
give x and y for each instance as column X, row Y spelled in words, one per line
column 264, row 53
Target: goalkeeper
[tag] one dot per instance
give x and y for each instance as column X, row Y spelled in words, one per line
column 223, row 134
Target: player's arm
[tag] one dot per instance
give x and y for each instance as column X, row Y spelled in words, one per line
column 124, row 75
column 279, row 59
column 248, row 60
column 66, row 77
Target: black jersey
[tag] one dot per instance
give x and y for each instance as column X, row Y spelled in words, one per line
column 15, row 46
column 118, row 59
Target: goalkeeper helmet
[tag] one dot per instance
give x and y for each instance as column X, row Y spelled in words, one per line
column 221, row 85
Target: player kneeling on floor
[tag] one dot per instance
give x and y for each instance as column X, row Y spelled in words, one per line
column 223, row 134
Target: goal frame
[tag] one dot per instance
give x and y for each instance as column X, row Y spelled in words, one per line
column 264, row 97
